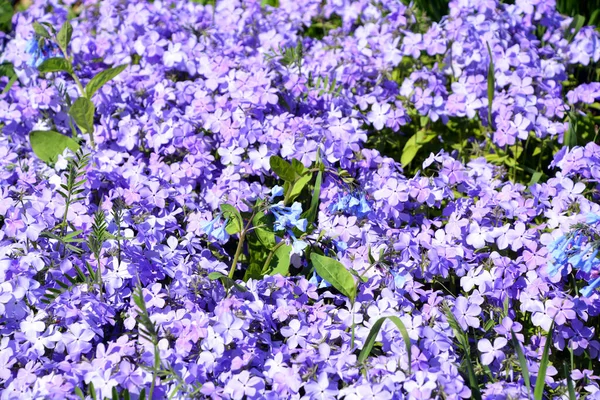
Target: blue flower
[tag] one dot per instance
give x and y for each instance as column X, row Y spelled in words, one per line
column 352, row 203
column 276, row 191
column 39, row 54
column 288, row 217
column 219, row 233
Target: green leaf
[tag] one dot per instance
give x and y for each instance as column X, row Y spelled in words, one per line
column 7, row 69
column 79, row 393
column 570, row 139
column 535, row 177
column 282, row 168
column 55, row 64
column 335, row 273
column 370, row 342
column 47, row 145
column 40, row 30
column 463, row 341
column 570, row 387
column 63, row 37
column 414, row 144
column 408, row 154
column 280, row 263
column 6, row 13
column 235, row 223
column 298, row 186
column 101, row 78
column 491, row 84
column 226, row 281
column 540, row 381
column 115, row 394
column 82, row 112
column 522, row 362
column 263, row 224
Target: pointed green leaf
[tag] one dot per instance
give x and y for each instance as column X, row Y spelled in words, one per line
column 79, row 393
column 540, row 381
column 82, row 112
column 282, row 168
column 280, row 263
column 522, row 362
column 263, row 228
column 47, row 145
column 102, row 78
column 313, row 211
column 335, row 273
column 370, row 341
column 63, row 37
column 40, row 30
column 491, row 84
column 55, row 64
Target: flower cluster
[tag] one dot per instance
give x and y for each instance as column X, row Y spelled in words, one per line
column 125, row 265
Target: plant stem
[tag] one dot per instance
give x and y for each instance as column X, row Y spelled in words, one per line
column 271, row 254
column 240, row 245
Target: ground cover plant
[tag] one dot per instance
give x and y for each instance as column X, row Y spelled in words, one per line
column 298, row 199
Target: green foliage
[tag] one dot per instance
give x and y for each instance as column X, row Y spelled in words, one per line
column 73, row 188
column 522, row 362
column 6, row 13
column 48, row 145
column 370, row 341
column 335, row 273
column 540, row 381
column 463, row 342
column 147, row 331
column 63, row 37
column 324, row 86
column 311, row 214
column 320, row 26
column 71, row 282
column 101, row 79
column 491, row 84
column 282, row 168
column 55, row 64
column 82, row 111
column 235, row 224
column 8, row 70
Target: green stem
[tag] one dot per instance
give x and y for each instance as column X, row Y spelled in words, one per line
column 238, row 251
column 271, row 254
column 353, row 326
column 240, row 245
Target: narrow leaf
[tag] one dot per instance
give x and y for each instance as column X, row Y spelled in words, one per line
column 522, row 362
column 370, row 341
column 313, row 211
column 491, row 84
column 335, row 273
column 541, row 377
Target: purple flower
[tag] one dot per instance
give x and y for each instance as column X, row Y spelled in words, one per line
column 491, row 352
column 467, row 314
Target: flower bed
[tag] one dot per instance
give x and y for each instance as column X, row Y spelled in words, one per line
column 298, row 199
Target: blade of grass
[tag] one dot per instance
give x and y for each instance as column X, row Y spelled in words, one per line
column 370, row 342
column 541, row 377
column 522, row 362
